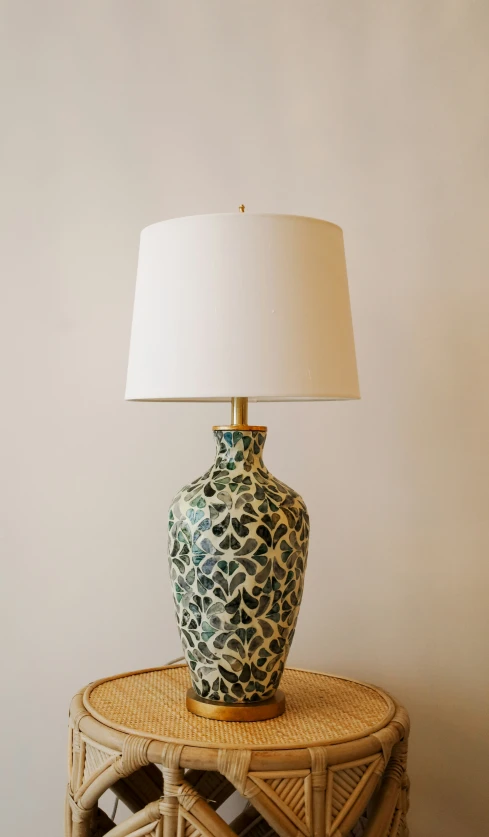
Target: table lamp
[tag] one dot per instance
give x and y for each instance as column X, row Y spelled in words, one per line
column 256, row 305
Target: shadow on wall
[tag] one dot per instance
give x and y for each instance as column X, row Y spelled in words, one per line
column 447, row 473
column 448, row 749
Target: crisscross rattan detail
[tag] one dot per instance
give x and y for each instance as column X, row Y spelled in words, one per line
column 309, row 773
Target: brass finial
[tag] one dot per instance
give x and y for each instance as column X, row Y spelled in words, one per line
column 242, row 208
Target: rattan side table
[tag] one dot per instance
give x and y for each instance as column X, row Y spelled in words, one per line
column 332, row 765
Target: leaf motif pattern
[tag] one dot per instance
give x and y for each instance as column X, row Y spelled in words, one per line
column 237, row 546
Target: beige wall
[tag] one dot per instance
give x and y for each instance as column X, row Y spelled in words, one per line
column 118, row 114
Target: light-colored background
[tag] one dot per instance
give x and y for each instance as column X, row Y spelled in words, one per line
column 118, row 114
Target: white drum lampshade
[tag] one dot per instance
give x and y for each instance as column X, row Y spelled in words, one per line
column 255, row 305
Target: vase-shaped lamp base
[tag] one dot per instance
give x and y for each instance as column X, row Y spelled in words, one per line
column 238, row 541
column 244, row 712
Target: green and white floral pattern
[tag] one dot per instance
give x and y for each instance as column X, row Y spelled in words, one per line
column 238, row 540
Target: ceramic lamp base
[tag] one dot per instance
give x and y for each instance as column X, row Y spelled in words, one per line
column 244, row 712
column 237, row 551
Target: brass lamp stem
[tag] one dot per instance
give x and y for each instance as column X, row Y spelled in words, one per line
column 239, row 418
column 239, row 411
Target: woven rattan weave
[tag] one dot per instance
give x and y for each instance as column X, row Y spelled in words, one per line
column 339, row 749
column 153, row 703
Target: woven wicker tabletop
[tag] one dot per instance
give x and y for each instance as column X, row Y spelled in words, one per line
column 321, row 709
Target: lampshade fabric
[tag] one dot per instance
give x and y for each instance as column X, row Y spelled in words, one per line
column 242, row 305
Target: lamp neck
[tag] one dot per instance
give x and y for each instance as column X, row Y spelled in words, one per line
column 238, row 451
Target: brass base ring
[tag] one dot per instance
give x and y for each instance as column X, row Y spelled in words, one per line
column 243, row 712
